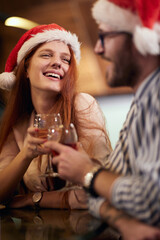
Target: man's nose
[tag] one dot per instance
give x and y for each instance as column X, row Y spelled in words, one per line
column 98, row 49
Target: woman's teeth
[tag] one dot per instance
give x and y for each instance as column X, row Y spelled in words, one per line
column 54, row 75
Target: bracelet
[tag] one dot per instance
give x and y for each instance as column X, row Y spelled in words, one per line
column 91, row 186
column 92, row 176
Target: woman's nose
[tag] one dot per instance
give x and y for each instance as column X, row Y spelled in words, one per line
column 56, row 62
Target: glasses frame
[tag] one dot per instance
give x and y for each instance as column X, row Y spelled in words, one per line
column 111, row 34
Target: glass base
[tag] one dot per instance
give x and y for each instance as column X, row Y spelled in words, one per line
column 50, row 174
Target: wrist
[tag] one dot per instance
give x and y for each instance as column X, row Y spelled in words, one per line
column 89, row 179
column 121, row 221
column 65, row 200
column 36, row 199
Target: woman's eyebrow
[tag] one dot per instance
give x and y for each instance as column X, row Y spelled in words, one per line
column 46, row 50
column 50, row 50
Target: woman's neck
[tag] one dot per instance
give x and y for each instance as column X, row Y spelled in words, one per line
column 43, row 102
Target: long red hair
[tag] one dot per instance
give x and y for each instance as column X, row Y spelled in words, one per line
column 19, row 105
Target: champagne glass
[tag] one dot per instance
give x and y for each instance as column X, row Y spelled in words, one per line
column 47, row 124
column 69, row 136
column 54, row 134
column 64, row 135
column 43, row 121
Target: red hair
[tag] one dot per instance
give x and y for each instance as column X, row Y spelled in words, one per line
column 20, row 105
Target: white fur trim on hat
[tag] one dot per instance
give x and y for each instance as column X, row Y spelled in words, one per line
column 111, row 14
column 7, row 80
column 146, row 40
column 48, row 36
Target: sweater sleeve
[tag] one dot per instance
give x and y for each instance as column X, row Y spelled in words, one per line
column 94, row 136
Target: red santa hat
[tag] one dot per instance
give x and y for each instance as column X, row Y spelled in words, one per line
column 33, row 37
column 139, row 17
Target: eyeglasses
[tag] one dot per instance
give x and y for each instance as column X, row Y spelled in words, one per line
column 110, row 35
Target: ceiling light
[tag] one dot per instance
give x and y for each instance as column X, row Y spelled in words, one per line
column 20, row 23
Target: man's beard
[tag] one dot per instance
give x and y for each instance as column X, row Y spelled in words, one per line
column 125, row 70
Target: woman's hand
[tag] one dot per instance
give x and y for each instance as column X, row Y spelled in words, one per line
column 33, row 146
column 77, row 199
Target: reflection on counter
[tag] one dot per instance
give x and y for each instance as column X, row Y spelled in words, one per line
column 26, row 224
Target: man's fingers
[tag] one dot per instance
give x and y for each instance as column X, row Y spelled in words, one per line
column 80, row 147
column 54, row 146
column 56, row 160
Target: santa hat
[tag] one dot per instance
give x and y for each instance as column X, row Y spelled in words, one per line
column 33, row 37
column 139, row 17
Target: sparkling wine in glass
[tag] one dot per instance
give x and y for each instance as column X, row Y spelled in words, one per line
column 44, row 122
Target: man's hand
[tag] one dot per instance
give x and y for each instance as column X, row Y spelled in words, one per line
column 72, row 165
column 129, row 228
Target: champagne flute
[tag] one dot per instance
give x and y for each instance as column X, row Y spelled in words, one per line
column 44, row 122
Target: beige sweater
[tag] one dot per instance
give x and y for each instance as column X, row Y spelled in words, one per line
column 100, row 150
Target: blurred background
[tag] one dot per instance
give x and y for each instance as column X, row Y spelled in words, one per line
column 75, row 16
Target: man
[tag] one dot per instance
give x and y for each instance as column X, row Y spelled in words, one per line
column 129, row 38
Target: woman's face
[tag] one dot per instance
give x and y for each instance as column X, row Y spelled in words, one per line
column 48, row 67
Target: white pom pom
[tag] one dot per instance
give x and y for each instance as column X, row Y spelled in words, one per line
column 7, row 79
column 146, row 41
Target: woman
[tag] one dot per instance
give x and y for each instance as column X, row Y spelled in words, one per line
column 42, row 72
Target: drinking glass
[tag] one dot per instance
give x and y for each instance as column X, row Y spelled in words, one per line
column 64, row 135
column 43, row 121
column 54, row 134
column 69, row 136
column 50, row 126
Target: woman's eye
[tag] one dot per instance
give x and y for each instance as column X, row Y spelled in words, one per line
column 46, row 55
column 67, row 60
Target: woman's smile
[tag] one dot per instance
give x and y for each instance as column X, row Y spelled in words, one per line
column 52, row 61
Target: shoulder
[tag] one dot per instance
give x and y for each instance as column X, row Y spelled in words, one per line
column 84, row 100
column 87, row 105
